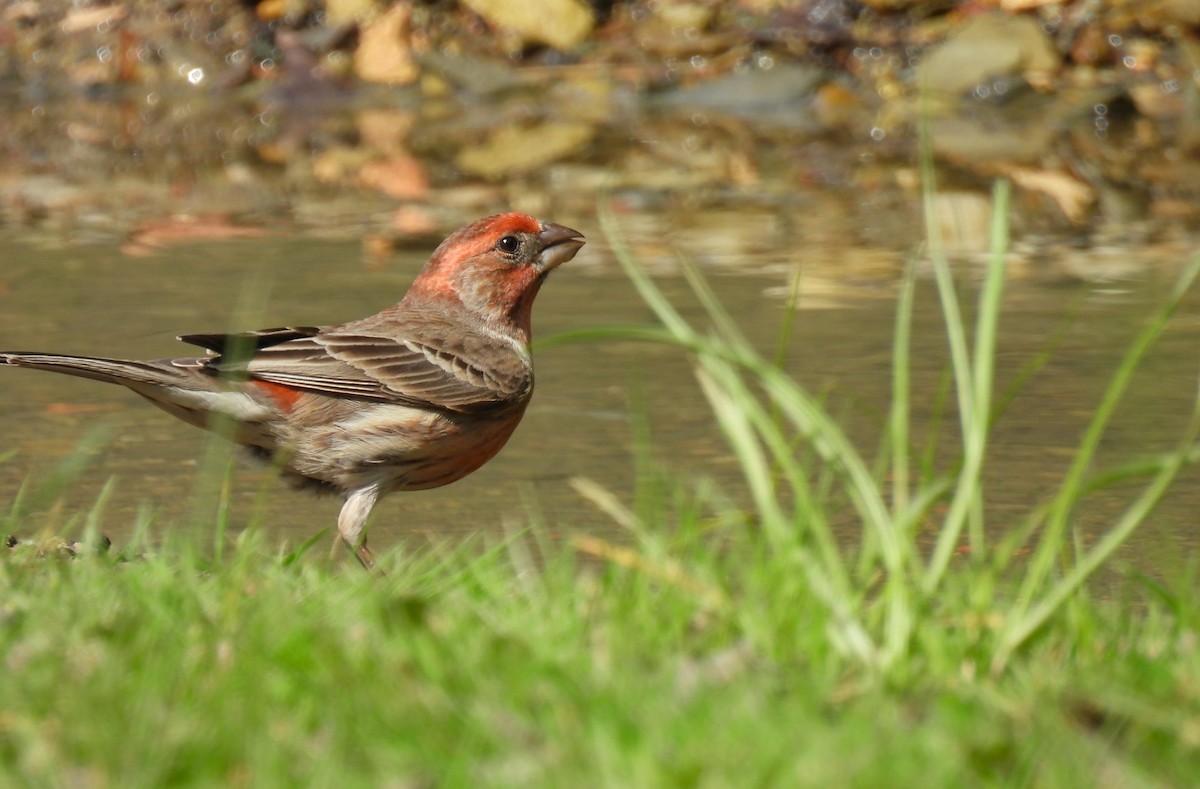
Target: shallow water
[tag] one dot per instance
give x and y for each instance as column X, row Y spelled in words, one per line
column 95, row 300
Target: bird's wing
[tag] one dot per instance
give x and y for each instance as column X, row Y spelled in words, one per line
column 421, row 366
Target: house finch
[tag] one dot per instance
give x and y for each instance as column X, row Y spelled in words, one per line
column 414, row 397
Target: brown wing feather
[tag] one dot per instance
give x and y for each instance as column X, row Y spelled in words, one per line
column 423, row 370
column 455, row 375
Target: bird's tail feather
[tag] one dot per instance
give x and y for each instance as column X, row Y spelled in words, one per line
column 116, row 371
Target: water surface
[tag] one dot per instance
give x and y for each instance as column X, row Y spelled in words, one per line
column 95, row 300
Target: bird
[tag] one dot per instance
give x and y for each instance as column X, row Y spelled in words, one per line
column 413, row 397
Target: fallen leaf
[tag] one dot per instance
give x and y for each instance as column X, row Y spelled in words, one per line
column 1072, row 195
column 152, row 236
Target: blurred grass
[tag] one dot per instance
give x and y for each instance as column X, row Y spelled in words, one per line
column 465, row 668
column 713, row 646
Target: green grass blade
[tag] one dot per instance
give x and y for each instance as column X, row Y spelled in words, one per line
column 1073, row 486
column 1091, row 560
column 974, row 384
column 898, row 427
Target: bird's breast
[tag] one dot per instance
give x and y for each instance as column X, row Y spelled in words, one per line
column 402, row 447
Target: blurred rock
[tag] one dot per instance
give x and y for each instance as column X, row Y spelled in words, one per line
column 383, row 53
column 336, row 165
column 1092, row 46
column 304, row 83
column 93, row 17
column 835, row 106
column 680, row 29
column 561, row 24
column 1016, row 6
column 584, row 96
column 916, row 8
column 475, row 74
column 117, row 113
column 341, row 12
column 42, row 193
column 384, row 129
column 1159, row 14
column 818, row 24
column 519, row 149
column 963, row 220
column 685, row 15
column 414, row 221
column 989, row 137
column 779, row 93
column 399, row 176
column 986, row 47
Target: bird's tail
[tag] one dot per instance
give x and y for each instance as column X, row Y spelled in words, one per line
column 181, row 387
column 116, row 371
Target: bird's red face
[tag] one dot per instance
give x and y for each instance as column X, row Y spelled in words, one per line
column 495, row 266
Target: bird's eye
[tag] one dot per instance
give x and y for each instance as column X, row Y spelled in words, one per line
column 509, row 245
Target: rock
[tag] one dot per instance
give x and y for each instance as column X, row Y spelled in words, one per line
column 681, row 29
column 342, row 12
column 561, row 24
column 1159, row 14
column 384, row 129
column 476, row 75
column 991, row 138
column 47, row 193
column 987, row 47
column 399, row 176
column 782, row 89
column 383, row 53
column 520, row 149
column 93, row 17
column 964, row 221
column 688, row 16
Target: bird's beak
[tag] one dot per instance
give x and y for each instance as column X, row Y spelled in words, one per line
column 559, row 244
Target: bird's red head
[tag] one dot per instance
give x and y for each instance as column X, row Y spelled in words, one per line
column 494, row 268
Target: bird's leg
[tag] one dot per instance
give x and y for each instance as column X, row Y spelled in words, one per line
column 365, row 557
column 352, row 521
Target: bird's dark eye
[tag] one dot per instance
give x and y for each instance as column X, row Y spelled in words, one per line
column 509, row 245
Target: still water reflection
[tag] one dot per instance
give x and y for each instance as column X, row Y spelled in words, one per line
column 93, row 300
